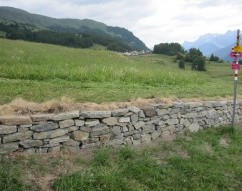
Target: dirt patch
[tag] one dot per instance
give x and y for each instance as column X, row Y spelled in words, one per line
column 23, row 107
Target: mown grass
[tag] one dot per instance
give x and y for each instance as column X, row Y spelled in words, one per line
column 39, row 72
column 206, row 160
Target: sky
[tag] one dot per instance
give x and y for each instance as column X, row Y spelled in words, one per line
column 152, row 21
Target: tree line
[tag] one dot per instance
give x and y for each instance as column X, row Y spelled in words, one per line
column 79, row 40
column 193, row 55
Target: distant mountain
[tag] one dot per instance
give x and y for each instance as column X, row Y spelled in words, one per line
column 85, row 26
column 217, row 44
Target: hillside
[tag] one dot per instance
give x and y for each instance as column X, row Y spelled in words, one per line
column 86, row 26
column 40, row 72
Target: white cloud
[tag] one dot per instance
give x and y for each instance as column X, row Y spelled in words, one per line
column 152, row 21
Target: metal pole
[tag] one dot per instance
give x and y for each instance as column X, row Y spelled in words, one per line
column 236, row 71
column 235, row 95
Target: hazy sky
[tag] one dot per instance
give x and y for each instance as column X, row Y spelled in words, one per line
column 153, row 21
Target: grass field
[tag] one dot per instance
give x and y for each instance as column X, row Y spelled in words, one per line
column 39, row 72
column 207, row 160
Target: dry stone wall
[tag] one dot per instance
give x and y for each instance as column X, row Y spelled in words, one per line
column 78, row 130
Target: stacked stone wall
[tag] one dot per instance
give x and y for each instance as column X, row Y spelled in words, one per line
column 78, row 130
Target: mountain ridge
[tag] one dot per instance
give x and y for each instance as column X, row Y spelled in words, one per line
column 72, row 26
column 217, row 44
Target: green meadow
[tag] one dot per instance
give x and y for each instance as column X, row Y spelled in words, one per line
column 40, row 72
column 206, row 160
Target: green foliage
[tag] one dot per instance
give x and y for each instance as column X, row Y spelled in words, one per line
column 200, row 162
column 85, row 40
column 101, row 157
column 198, row 64
column 181, row 64
column 170, row 49
column 214, row 58
column 10, row 176
column 193, row 54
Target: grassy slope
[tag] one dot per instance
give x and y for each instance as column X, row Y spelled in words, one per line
column 208, row 160
column 39, row 72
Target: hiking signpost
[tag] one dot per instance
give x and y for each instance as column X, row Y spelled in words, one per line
column 236, row 53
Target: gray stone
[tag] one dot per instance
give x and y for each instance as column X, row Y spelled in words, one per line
column 55, row 149
column 124, row 120
column 172, row 121
column 163, row 106
column 79, row 123
column 92, row 122
column 72, row 143
column 72, row 128
column 41, row 117
column 195, row 104
column 15, row 120
column 125, row 129
column 66, row 123
column 130, row 127
column 148, row 129
column 86, row 129
column 4, row 129
column 153, row 121
column 110, row 121
column 141, row 114
column 161, row 112
column 99, row 130
column 161, row 123
column 116, row 130
column 120, row 112
column 31, row 143
column 194, row 127
column 149, row 112
column 134, row 109
column 192, row 115
column 134, row 118
column 59, row 140
column 22, row 129
column 91, row 145
column 155, row 134
column 137, row 136
column 95, row 114
column 29, row 151
column 115, row 142
column 80, row 135
column 128, row 141
column 130, row 133
column 91, row 140
column 72, row 149
column 7, row 148
column 139, row 125
column 167, row 136
column 50, row 134
column 219, row 104
column 105, row 138
column 136, row 142
column 145, row 138
column 45, row 126
column 17, row 137
column 66, row 115
column 42, row 150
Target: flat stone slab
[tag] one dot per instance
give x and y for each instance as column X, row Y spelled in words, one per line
column 66, row 115
column 4, row 129
column 15, row 120
column 7, row 148
column 95, row 114
column 41, row 117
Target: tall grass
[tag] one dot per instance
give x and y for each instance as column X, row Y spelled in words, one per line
column 81, row 73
